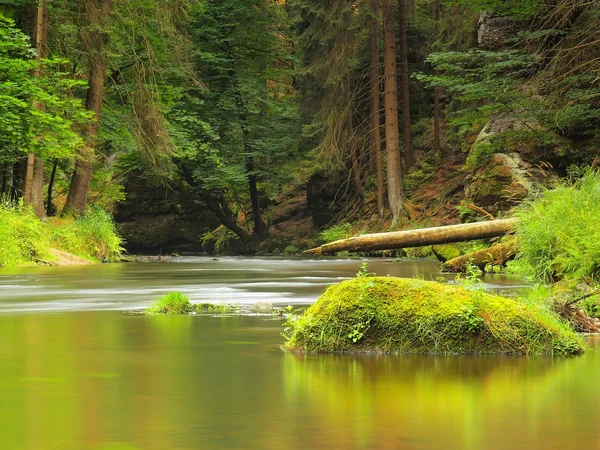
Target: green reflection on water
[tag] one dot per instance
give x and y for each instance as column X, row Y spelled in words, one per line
column 113, row 381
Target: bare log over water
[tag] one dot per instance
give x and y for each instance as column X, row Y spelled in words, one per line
column 418, row 238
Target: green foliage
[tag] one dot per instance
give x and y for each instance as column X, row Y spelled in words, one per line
column 219, row 240
column 172, row 303
column 385, row 314
column 26, row 240
column 93, row 236
column 23, row 238
column 516, row 9
column 558, row 233
column 335, row 233
column 56, row 114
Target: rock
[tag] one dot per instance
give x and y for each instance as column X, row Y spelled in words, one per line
column 156, row 219
column 394, row 315
column 504, row 182
column 262, row 308
column 446, row 252
column 493, row 32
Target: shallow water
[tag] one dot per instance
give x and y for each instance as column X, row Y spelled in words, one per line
column 78, row 370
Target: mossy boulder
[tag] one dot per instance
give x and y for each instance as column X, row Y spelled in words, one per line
column 446, row 252
column 394, row 315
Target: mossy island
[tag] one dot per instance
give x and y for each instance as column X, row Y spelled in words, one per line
column 409, row 316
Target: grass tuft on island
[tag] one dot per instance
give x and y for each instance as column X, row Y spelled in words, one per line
column 394, row 315
column 178, row 303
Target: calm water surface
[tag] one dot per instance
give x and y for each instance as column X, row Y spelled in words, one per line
column 79, row 370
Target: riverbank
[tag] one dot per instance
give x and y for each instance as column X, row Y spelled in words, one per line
column 25, row 240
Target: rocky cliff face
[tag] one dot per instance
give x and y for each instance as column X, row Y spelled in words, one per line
column 161, row 220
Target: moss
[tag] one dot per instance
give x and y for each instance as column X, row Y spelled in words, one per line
column 172, row 303
column 446, row 252
column 393, row 315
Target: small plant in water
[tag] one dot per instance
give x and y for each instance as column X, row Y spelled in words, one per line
column 472, row 278
column 363, row 272
column 172, row 303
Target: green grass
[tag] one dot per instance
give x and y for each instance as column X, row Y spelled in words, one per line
column 559, row 233
column 172, row 303
column 393, row 315
column 25, row 240
column 93, row 236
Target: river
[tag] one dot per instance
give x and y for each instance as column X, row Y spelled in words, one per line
column 81, row 368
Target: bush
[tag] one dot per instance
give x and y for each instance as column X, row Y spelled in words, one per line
column 394, row 315
column 172, row 303
column 559, row 234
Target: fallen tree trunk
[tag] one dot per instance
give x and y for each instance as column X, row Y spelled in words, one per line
column 418, row 238
column 496, row 255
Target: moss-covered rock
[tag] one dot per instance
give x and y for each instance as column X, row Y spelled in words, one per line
column 394, row 315
column 446, row 252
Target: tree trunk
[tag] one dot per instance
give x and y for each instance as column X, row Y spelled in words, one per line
column 94, row 40
column 395, row 179
column 374, row 89
column 355, row 159
column 18, row 178
column 4, row 180
column 497, row 255
column 409, row 153
column 33, row 191
column 50, row 208
column 260, row 228
column 418, row 238
column 437, row 146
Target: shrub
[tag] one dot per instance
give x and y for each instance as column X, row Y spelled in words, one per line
column 558, row 233
column 172, row 303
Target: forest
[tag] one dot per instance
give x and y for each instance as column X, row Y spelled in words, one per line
column 254, row 126
column 299, row 224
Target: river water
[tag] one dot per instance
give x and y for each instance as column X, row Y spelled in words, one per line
column 81, row 368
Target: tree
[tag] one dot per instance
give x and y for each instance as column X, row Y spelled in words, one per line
column 33, row 191
column 375, row 93
column 243, row 112
column 409, row 154
column 94, row 41
column 395, row 178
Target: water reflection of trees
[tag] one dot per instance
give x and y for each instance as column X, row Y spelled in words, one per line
column 444, row 402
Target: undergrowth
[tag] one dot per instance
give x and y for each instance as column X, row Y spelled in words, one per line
column 558, row 233
column 24, row 239
column 335, row 233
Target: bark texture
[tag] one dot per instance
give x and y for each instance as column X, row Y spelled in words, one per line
column 94, row 40
column 33, row 190
column 418, row 238
column 409, row 153
column 396, row 195
column 374, row 89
